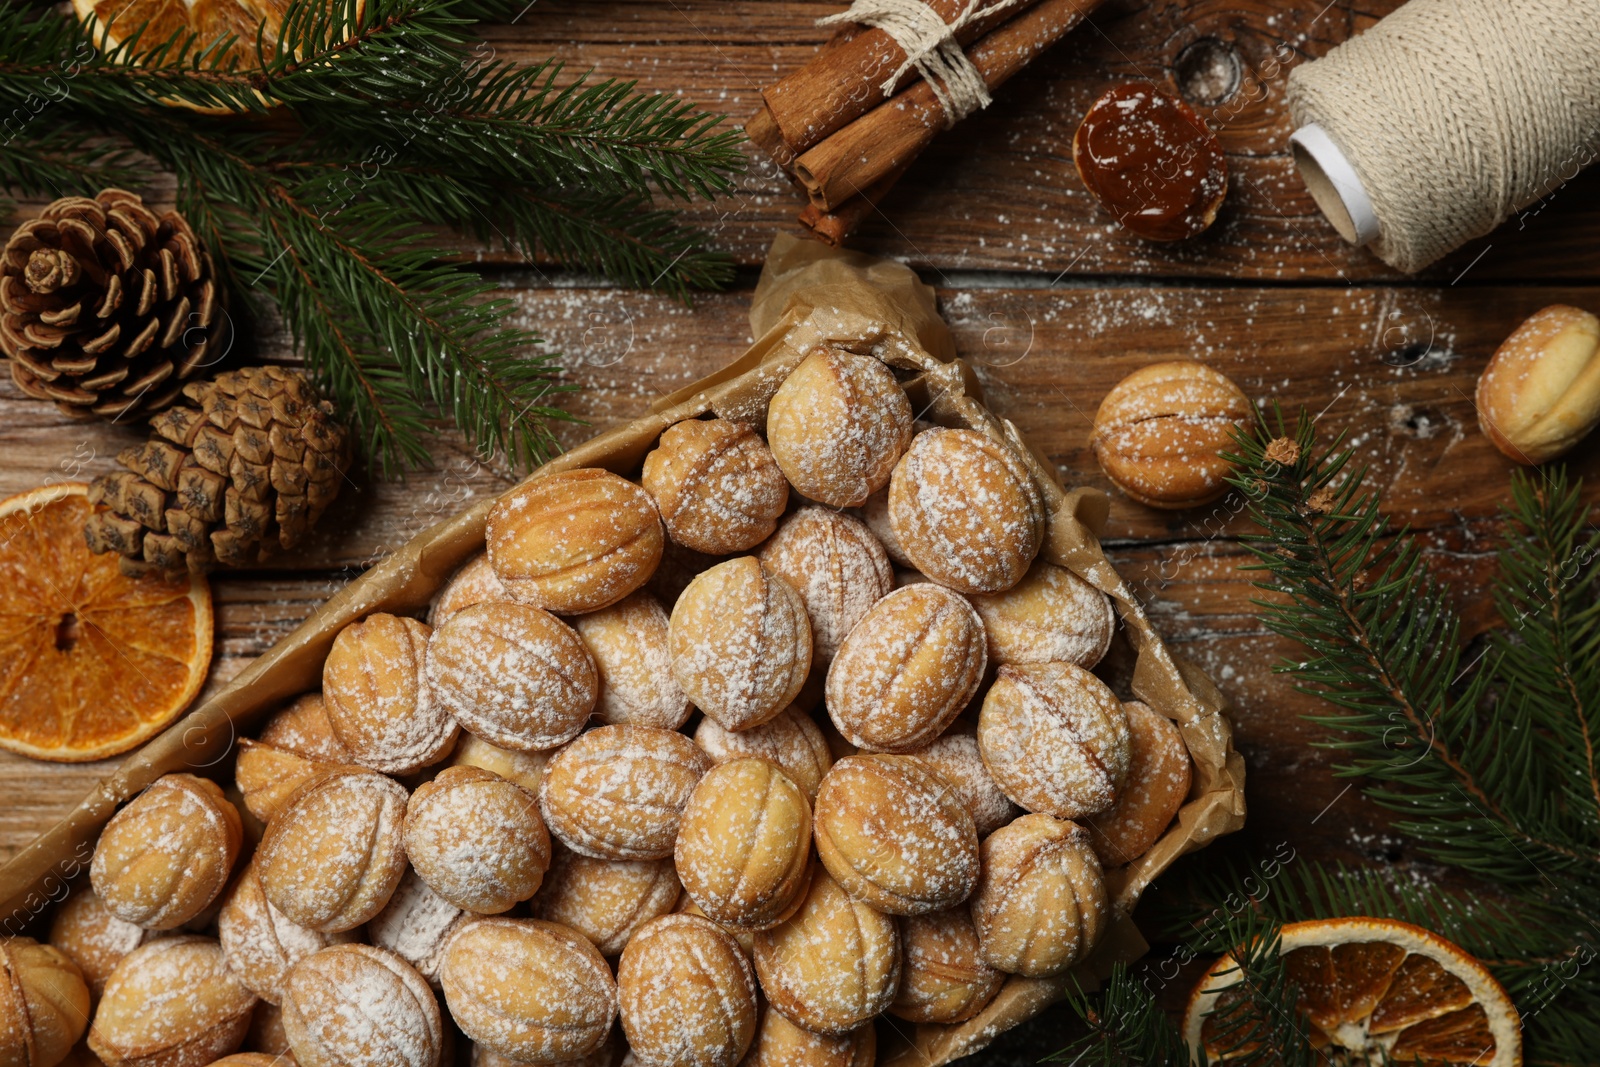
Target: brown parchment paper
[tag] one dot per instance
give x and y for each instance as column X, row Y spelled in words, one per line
column 809, row 295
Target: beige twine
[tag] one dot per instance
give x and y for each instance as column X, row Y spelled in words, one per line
column 1457, row 113
column 930, row 45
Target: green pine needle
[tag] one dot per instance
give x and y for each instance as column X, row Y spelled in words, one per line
column 348, row 142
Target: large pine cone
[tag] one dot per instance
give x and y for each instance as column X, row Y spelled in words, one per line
column 107, row 308
column 247, row 471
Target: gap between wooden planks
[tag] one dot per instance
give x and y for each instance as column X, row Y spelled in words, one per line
column 1046, row 357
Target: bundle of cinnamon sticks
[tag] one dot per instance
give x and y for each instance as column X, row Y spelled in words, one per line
column 845, row 140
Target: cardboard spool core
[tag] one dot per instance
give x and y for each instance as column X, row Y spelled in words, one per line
column 1334, row 184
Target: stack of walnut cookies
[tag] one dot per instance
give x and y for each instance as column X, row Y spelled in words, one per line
column 753, row 892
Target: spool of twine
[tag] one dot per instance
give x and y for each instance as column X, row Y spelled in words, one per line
column 1437, row 124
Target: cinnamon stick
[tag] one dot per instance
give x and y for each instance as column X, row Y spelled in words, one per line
column 834, row 226
column 895, row 132
column 839, row 85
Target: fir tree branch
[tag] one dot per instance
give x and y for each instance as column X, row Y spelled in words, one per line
column 1384, row 644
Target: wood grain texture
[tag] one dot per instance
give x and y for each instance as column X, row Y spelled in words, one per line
column 1052, row 304
column 1045, row 356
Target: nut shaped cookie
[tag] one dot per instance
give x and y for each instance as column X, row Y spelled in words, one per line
column 303, row 728
column 333, row 856
column 907, row 669
column 1052, row 615
column 955, row 758
column 1159, row 772
column 88, row 934
column 744, row 847
column 741, row 643
column 474, row 583
column 477, row 839
column 875, row 513
column 575, row 541
column 266, row 1036
column 618, row 792
column 166, row 856
column 837, row 425
column 524, row 768
column 514, row 675
column 267, row 776
column 606, row 901
column 359, row 1006
column 836, row 565
column 416, row 925
column 1055, row 738
column 628, row 643
column 716, row 484
column 780, row 1043
column 534, row 991
column 44, row 1003
column 171, row 1003
column 260, row 943
column 1041, row 903
column 378, row 698
column 894, row 835
column 687, row 994
column 791, row 740
column 965, row 510
column 1160, row 433
column 943, row 976
column 608, row 1054
column 833, row 965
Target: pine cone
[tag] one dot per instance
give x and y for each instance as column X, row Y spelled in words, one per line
column 106, row 308
column 248, row 470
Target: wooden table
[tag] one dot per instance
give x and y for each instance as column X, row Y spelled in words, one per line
column 1052, row 304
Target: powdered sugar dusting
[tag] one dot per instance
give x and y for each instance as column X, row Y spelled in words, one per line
column 895, row 835
column 416, row 925
column 331, row 860
column 1055, row 738
column 379, row 701
column 717, row 486
column 170, row 993
column 628, row 643
column 513, row 674
column 531, row 990
column 618, row 792
column 965, row 510
column 260, row 943
column 1158, row 781
column 92, row 937
column 477, row 839
column 361, row 1006
column 834, row 965
column 474, row 583
column 165, row 856
column 687, row 994
column 944, row 977
column 837, row 425
column 741, row 643
column 836, row 565
column 606, row 900
column 955, row 758
column 907, row 669
column 791, row 740
column 1042, row 901
column 303, row 728
column 1050, row 615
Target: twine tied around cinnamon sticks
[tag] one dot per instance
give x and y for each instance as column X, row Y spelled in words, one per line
column 930, row 45
column 850, row 122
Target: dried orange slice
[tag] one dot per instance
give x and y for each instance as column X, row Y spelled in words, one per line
column 1375, row 986
column 92, row 662
column 207, row 19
